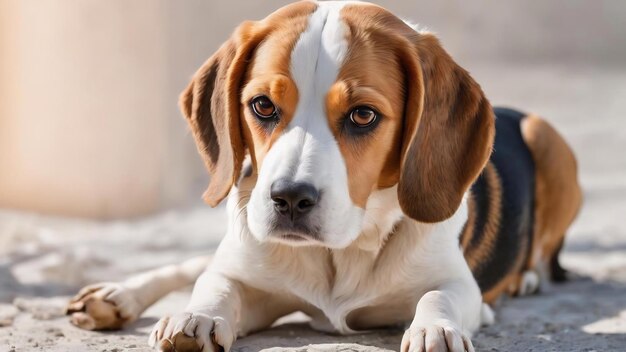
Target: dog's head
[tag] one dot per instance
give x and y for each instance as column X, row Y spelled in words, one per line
column 332, row 101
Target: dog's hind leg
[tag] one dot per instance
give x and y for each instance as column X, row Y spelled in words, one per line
column 111, row 305
column 557, row 200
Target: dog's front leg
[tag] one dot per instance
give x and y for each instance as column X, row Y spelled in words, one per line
column 220, row 310
column 112, row 305
column 445, row 318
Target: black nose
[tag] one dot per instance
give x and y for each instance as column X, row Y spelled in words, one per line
column 293, row 199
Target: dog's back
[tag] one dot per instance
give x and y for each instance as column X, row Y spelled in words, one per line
column 520, row 207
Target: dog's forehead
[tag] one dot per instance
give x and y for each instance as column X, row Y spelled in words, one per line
column 322, row 47
column 306, row 35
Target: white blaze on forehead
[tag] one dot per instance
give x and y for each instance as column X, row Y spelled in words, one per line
column 320, row 50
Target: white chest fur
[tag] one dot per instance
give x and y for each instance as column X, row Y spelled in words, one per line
column 379, row 278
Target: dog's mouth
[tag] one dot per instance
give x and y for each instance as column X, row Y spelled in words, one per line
column 294, row 233
column 293, row 237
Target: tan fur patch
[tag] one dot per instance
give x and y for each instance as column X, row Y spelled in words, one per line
column 433, row 159
column 372, row 160
column 211, row 102
column 269, row 74
column 557, row 193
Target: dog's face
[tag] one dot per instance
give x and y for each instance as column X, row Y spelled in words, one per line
column 333, row 101
column 324, row 123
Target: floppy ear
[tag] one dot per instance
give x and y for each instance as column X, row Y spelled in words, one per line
column 449, row 131
column 210, row 103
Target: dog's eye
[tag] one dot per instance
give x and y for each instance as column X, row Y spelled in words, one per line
column 263, row 107
column 363, row 116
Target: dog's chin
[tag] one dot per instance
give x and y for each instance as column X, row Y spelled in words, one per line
column 294, row 239
column 295, row 234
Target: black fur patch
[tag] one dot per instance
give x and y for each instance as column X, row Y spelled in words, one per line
column 515, row 167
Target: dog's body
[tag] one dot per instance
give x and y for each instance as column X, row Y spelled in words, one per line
column 361, row 139
column 508, row 241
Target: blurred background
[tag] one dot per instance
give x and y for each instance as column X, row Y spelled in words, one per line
column 90, row 127
column 99, row 177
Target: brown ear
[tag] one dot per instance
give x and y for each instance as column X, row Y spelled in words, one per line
column 449, row 131
column 211, row 106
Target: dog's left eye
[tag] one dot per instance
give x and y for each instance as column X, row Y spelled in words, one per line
column 363, row 116
column 263, row 107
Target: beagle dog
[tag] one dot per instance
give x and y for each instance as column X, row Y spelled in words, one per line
column 369, row 182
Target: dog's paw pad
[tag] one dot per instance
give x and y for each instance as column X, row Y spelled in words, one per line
column 105, row 306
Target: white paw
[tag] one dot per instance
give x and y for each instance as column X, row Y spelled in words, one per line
column 529, row 283
column 103, row 306
column 487, row 316
column 192, row 332
column 440, row 336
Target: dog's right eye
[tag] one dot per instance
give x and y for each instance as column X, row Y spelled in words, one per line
column 263, row 108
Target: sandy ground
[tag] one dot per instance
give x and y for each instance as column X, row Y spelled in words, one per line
column 43, row 260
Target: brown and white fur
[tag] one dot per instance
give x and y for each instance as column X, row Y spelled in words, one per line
column 381, row 246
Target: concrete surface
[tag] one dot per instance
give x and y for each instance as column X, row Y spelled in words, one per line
column 43, row 259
